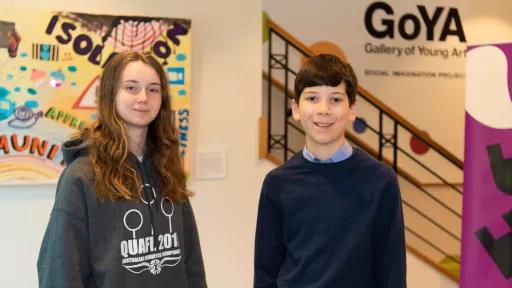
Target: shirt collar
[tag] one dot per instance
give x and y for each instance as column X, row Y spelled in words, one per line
column 341, row 154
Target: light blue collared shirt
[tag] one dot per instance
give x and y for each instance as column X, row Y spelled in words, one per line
column 341, row 154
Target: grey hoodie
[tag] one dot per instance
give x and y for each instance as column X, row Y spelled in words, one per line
column 147, row 243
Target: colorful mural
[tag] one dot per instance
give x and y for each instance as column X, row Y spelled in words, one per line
column 50, row 64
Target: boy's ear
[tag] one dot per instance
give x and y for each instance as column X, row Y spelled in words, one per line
column 295, row 110
column 353, row 112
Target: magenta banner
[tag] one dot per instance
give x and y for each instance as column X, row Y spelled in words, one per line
column 487, row 205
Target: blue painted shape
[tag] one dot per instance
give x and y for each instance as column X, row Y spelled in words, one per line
column 44, row 51
column 31, row 104
column 4, row 92
column 23, row 68
column 24, row 55
column 9, row 77
column 182, row 92
column 7, row 106
column 32, row 91
column 360, row 125
column 17, row 89
column 72, row 68
column 58, row 75
column 181, row 57
column 176, row 75
column 6, row 112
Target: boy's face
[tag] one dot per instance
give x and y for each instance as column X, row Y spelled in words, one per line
column 324, row 112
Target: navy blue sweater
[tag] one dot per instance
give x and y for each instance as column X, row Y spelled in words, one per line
column 323, row 225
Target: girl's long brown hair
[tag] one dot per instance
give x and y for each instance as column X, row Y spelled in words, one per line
column 115, row 175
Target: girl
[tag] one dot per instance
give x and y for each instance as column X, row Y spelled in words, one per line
column 121, row 216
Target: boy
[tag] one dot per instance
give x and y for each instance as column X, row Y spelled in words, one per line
column 331, row 216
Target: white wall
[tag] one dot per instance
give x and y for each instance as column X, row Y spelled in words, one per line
column 226, row 104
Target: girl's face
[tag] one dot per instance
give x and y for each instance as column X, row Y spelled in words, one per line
column 139, row 97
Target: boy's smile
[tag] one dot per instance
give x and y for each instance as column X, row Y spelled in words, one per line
column 324, row 112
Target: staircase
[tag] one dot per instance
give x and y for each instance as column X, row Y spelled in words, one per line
column 431, row 183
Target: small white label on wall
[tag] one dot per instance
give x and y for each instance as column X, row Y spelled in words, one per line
column 211, row 164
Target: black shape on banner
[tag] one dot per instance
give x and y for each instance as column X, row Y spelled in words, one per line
column 501, row 168
column 499, row 249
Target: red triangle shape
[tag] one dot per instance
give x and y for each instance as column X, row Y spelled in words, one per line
column 88, row 98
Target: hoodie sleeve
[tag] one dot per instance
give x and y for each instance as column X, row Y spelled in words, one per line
column 194, row 266
column 64, row 255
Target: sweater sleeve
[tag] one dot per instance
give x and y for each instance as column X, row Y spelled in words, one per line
column 389, row 239
column 270, row 248
column 194, row 266
column 64, row 254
